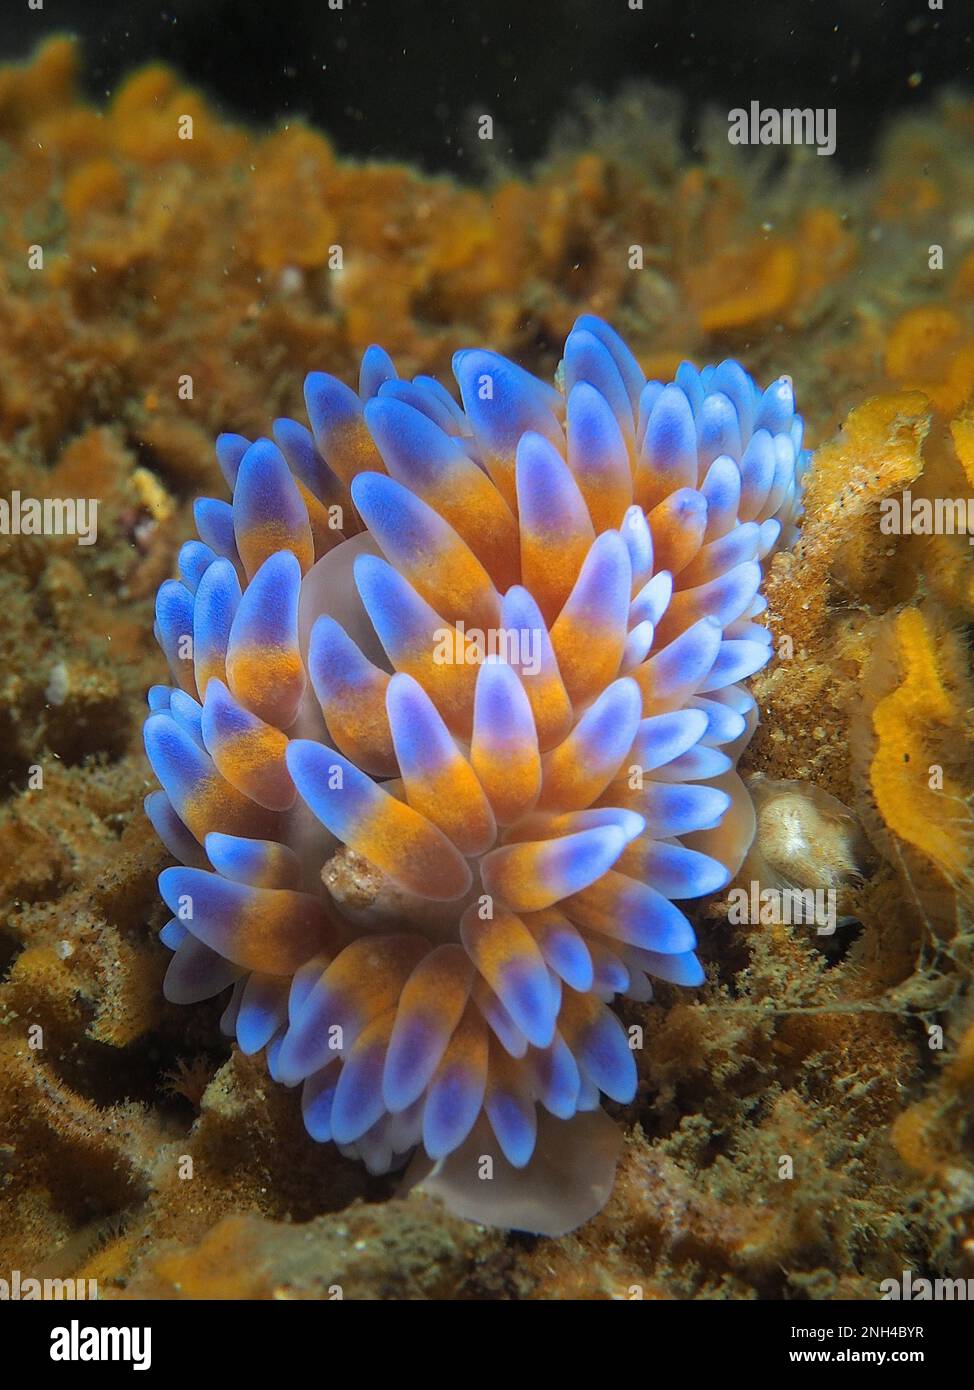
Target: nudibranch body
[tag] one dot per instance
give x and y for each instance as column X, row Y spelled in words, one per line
column 458, row 703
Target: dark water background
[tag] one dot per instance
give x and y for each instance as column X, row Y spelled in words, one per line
column 399, row 78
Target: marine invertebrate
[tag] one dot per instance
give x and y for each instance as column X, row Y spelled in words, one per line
column 805, row 837
column 911, row 738
column 455, row 729
column 931, row 349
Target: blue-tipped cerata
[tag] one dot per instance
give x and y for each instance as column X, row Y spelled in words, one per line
column 455, row 714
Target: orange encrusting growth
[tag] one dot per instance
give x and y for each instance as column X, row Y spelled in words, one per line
column 920, row 801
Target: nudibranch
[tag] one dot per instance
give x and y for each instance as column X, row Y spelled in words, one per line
column 456, row 709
